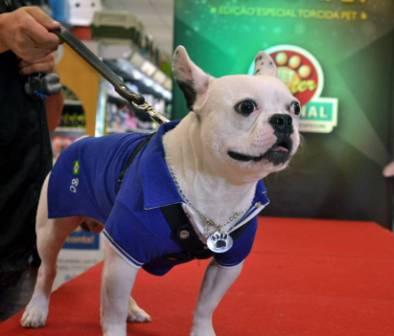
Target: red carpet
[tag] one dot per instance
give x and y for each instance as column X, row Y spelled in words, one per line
column 304, row 278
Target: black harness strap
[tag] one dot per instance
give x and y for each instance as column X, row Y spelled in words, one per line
column 183, row 233
column 130, row 160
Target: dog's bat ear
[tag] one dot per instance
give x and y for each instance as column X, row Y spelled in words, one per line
column 190, row 78
column 264, row 65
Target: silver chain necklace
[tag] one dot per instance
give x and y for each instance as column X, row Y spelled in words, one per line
column 217, row 240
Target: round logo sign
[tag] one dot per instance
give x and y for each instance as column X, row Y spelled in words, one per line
column 299, row 70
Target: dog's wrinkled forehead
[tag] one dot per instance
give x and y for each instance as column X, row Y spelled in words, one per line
column 264, row 89
column 195, row 83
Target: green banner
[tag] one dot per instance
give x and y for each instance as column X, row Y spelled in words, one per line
column 337, row 57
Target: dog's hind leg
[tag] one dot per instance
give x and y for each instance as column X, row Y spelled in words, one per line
column 51, row 234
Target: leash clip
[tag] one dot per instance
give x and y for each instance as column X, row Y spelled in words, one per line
column 154, row 115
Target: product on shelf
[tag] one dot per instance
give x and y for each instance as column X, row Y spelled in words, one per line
column 72, row 124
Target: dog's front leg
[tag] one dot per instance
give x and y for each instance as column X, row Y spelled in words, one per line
column 118, row 280
column 217, row 281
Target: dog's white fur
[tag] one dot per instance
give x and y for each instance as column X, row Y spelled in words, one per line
column 217, row 185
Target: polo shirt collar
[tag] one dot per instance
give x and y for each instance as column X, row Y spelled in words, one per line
column 261, row 194
column 158, row 185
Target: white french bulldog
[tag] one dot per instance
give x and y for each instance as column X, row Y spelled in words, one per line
column 240, row 128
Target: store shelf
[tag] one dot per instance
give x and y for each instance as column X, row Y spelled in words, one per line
column 114, row 130
column 70, row 130
column 70, row 102
column 130, row 73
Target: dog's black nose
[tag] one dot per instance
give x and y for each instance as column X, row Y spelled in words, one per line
column 282, row 123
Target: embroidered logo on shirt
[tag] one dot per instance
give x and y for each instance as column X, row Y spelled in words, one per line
column 74, row 185
column 76, row 167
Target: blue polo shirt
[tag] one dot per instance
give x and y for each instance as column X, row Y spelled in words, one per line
column 83, row 183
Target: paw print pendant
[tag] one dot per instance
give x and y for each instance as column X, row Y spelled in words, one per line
column 219, row 242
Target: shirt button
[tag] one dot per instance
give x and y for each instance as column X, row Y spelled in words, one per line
column 184, row 234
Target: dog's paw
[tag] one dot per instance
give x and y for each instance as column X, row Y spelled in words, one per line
column 202, row 328
column 136, row 314
column 114, row 330
column 202, row 332
column 35, row 314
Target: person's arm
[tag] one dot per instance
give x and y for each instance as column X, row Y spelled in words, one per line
column 25, row 31
column 54, row 103
column 54, row 108
column 3, row 46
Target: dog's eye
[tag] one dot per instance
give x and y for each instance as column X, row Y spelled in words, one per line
column 295, row 107
column 246, row 107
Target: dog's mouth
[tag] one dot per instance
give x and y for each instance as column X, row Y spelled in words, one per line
column 279, row 153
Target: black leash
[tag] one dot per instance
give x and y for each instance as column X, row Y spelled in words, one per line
column 130, row 160
column 133, row 98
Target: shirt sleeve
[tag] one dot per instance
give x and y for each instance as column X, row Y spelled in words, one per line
column 241, row 248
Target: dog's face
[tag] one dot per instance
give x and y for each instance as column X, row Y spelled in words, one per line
column 248, row 123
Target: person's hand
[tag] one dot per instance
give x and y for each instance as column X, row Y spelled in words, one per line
column 389, row 170
column 45, row 64
column 25, row 31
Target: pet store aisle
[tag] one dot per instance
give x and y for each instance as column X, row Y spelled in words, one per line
column 304, row 278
